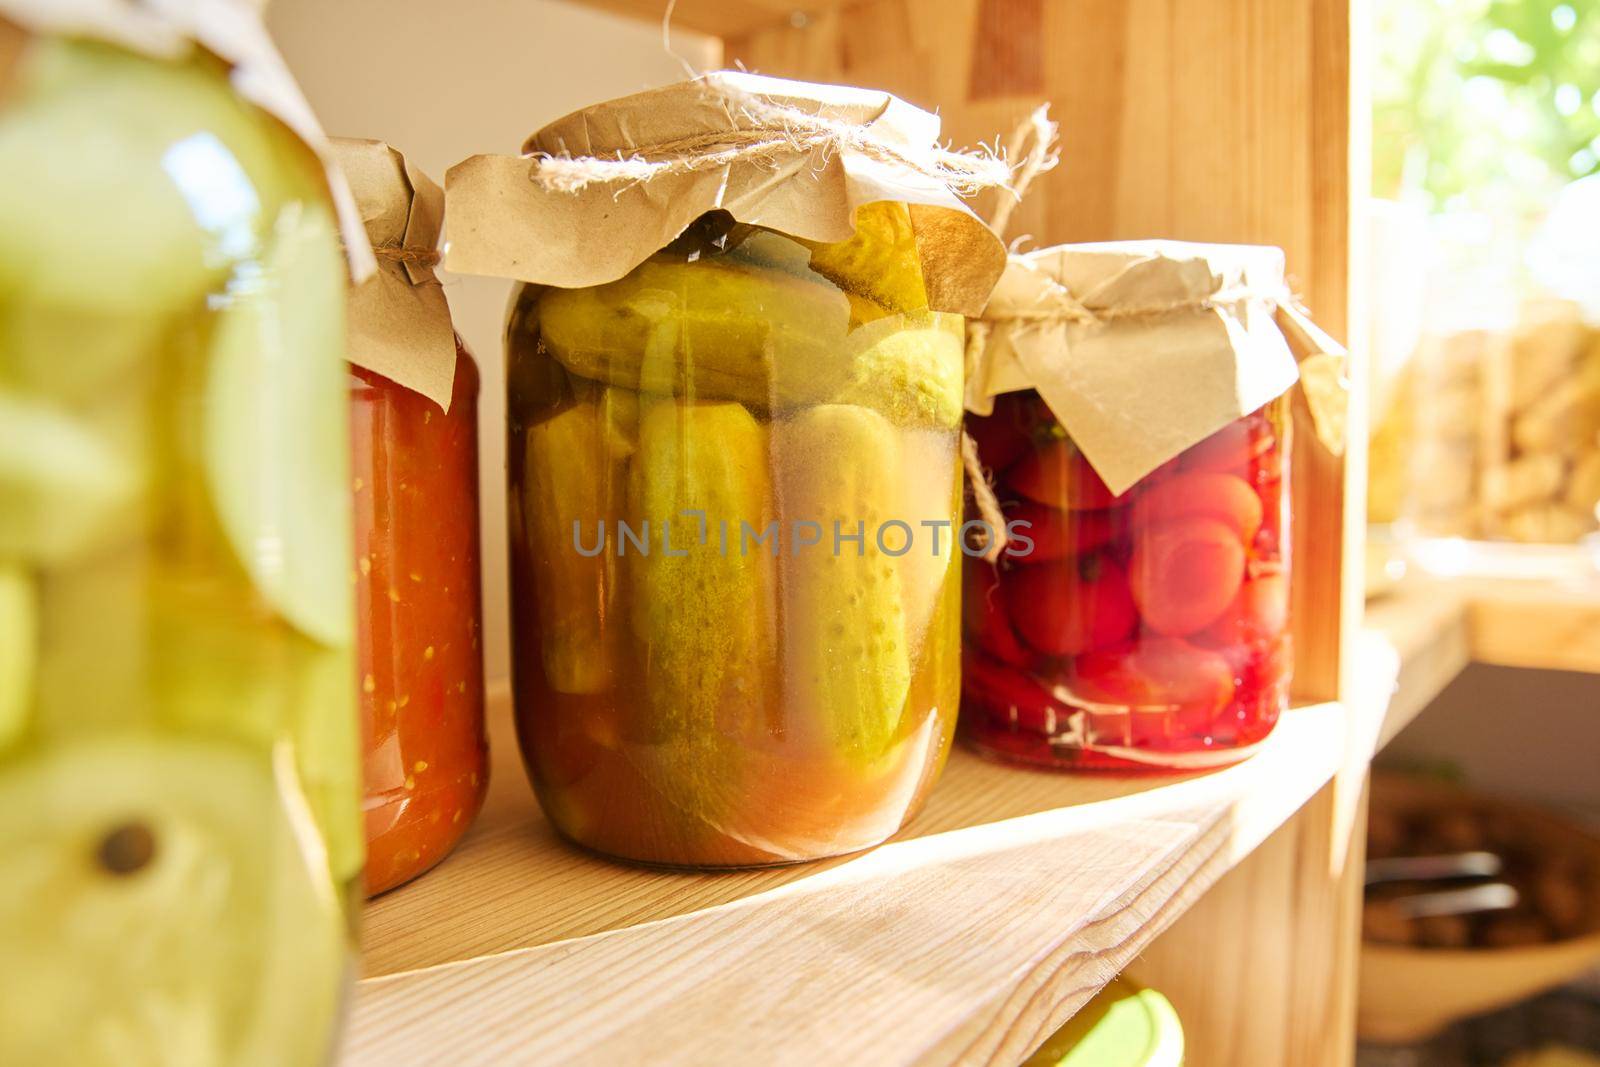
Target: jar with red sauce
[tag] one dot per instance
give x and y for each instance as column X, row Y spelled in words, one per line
column 1137, row 438
column 414, row 477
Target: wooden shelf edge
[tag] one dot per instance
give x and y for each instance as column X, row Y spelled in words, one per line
column 1432, row 628
column 1035, row 904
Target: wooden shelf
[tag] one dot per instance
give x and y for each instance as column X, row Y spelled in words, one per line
column 1006, row 904
column 1003, row 907
column 1432, row 628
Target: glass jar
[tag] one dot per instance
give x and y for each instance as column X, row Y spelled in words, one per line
column 415, row 475
column 734, row 483
column 1136, row 631
column 178, row 742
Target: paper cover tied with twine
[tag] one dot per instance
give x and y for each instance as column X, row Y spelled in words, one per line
column 398, row 320
column 232, row 31
column 1144, row 348
column 598, row 192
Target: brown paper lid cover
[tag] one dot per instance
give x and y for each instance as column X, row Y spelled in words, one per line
column 398, row 319
column 1144, row 348
column 606, row 187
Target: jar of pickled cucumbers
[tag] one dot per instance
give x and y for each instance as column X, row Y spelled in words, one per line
column 735, row 491
column 1136, row 427
column 414, row 473
column 179, row 813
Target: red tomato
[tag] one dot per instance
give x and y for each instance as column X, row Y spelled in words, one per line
column 1058, row 534
column 1072, row 606
column 984, row 610
column 1157, row 674
column 1257, row 615
column 1221, row 496
column 1185, row 574
column 1009, row 695
column 1055, row 473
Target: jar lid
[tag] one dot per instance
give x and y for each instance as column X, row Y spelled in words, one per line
column 1124, row 1025
column 398, row 320
column 1142, row 349
column 601, row 190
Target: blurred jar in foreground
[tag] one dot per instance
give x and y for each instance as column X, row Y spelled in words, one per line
column 736, row 639
column 414, row 473
column 178, row 754
column 1140, row 618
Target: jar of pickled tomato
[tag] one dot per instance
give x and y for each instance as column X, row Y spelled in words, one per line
column 179, row 801
column 735, row 489
column 1136, row 428
column 414, row 474
column 1132, row 629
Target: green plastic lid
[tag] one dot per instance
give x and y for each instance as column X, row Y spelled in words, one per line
column 1124, row 1025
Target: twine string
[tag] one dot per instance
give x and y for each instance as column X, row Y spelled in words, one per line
column 1069, row 310
column 774, row 131
column 419, row 257
column 1034, row 143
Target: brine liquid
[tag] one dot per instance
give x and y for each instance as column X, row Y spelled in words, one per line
column 721, row 681
column 1144, row 631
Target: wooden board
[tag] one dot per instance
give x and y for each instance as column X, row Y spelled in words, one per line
column 1007, row 903
column 1520, row 624
column 1294, row 881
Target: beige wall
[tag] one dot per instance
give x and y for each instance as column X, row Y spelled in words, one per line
column 442, row 80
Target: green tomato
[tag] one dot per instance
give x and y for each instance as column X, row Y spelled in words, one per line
column 274, row 428
column 66, row 488
column 131, row 186
column 163, row 904
column 73, row 354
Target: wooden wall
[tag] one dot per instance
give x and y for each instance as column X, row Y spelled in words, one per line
column 1205, row 120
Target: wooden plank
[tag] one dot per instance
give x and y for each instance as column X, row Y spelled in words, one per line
column 1536, row 624
column 1425, row 634
column 1010, row 900
column 1273, row 995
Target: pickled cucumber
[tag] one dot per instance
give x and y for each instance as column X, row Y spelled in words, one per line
column 163, row 903
column 930, row 488
column 68, row 490
column 274, row 437
column 703, row 617
column 879, row 261
column 714, row 329
column 849, row 665
column 575, row 474
column 19, row 642
column 130, row 185
column 908, row 368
